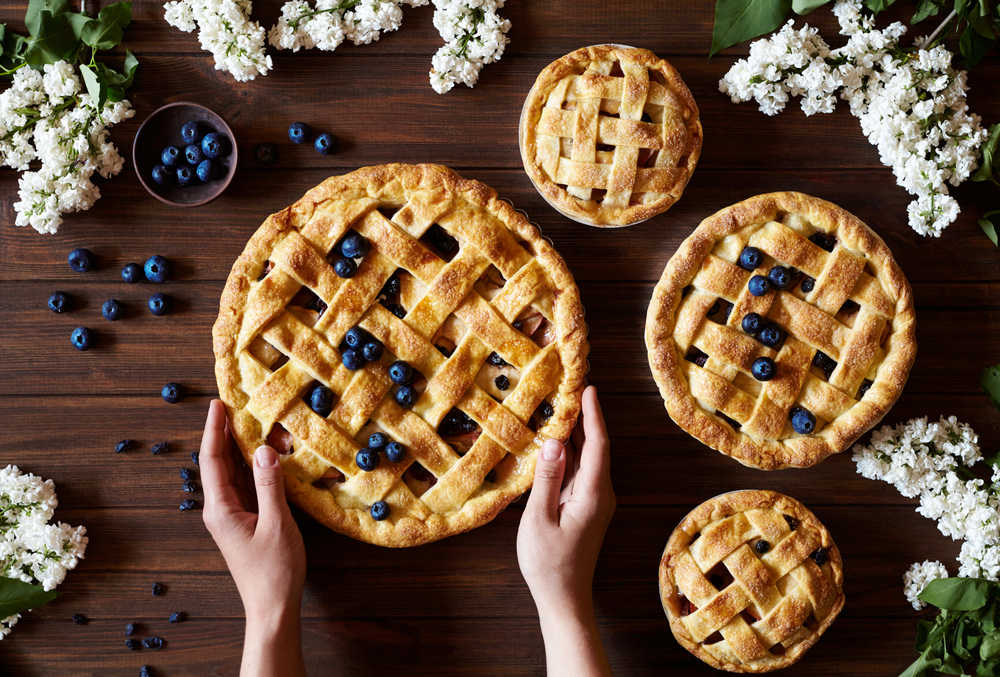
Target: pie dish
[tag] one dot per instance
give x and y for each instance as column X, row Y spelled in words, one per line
column 833, row 333
column 456, row 284
column 750, row 580
column 610, row 135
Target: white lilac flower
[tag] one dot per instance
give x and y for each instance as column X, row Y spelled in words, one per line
column 917, row 578
column 328, row 23
column 911, row 105
column 474, row 36
column 225, row 30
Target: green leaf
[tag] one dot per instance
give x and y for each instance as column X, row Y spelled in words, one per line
column 17, row 596
column 919, row 668
column 990, row 383
column 990, row 648
column 96, row 86
column 877, row 5
column 801, row 7
column 957, row 594
column 989, row 224
column 54, row 41
column 739, row 20
column 991, row 156
column 926, row 8
column 131, row 65
column 974, row 45
column 33, row 17
column 108, row 29
column 79, row 23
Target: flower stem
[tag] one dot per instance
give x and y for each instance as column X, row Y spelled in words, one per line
column 937, row 31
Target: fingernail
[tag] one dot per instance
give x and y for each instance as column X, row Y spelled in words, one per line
column 265, row 457
column 551, row 450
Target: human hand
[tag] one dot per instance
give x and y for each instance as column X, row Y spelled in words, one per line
column 261, row 543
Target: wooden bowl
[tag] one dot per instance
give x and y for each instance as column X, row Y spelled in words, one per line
column 163, row 128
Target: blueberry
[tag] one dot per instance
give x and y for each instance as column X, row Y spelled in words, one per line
column 157, row 589
column 131, row 273
column 326, row 143
column 111, row 310
column 266, row 154
column 172, row 393
column 372, row 351
column 501, row 382
column 159, row 448
column 715, row 308
column 79, row 619
column 824, row 241
column 189, row 487
column 770, row 335
column 391, row 287
column 762, row 547
column 864, row 389
column 171, row 156
column 367, row 459
column 81, row 260
column 59, row 302
column 215, row 145
column 195, row 457
column 130, row 629
column 821, row 360
column 124, row 445
column 321, row 401
column 144, row 671
column 193, row 154
column 159, row 304
column 187, row 504
column 397, row 310
column 763, row 368
column 759, row 285
column 793, row 523
column 491, row 476
column 819, row 556
column 353, row 359
column 345, row 268
column 208, row 170
column 447, row 352
column 380, row 510
column 132, row 644
column 354, row 246
column 163, row 175
column 752, row 323
column 356, row 338
column 803, row 421
column 177, row 617
column 80, row 338
column 406, row 396
column 157, row 268
column 400, row 373
column 750, row 258
column 779, row 277
column 185, row 176
column 395, row 452
column 191, row 132
column 186, row 474
column 496, row 360
column 807, row 285
column 546, row 411
column 299, row 132
column 153, row 643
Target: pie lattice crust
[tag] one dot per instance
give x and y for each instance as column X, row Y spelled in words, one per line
column 739, row 609
column 500, row 270
column 610, row 135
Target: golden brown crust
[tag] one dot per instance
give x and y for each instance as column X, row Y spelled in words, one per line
column 794, row 599
column 886, row 299
column 639, row 191
column 296, row 241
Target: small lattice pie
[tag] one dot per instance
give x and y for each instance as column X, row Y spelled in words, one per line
column 610, row 135
column 750, row 580
column 455, row 283
column 781, row 330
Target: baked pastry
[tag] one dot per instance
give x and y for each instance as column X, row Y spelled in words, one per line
column 750, row 580
column 610, row 135
column 781, row 330
column 406, row 341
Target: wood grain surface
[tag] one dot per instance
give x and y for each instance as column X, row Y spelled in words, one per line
column 458, row 607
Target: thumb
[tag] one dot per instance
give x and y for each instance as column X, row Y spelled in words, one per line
column 549, row 470
column 270, row 484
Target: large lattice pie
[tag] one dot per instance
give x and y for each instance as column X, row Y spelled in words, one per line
column 750, row 580
column 781, row 330
column 610, row 135
column 477, row 351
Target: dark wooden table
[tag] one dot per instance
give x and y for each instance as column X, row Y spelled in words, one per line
column 457, row 607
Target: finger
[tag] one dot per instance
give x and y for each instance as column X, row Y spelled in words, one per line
column 270, row 482
column 241, row 473
column 216, row 463
column 549, row 470
column 595, row 456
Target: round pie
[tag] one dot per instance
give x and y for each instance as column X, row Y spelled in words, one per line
column 750, row 580
column 406, row 341
column 610, row 135
column 781, row 330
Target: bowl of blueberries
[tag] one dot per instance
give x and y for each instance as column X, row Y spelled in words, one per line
column 185, row 154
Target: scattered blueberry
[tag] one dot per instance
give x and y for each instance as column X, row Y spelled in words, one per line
column 193, row 154
column 156, row 268
column 491, row 476
column 124, row 445
column 208, row 170
column 367, row 459
column 400, row 372
column 159, row 448
column 159, row 304
column 215, row 145
column 406, row 396
column 131, row 273
column 187, row 504
column 132, row 644
column 496, row 360
column 345, row 268
column 299, row 132
column 191, row 132
column 750, row 258
column 185, row 176
column 321, row 401
column 152, row 643
column 779, row 277
column 81, row 260
column 111, row 310
column 803, row 421
column 354, row 246
column 762, row 547
column 144, row 671
column 80, row 338
column 501, row 382
column 170, row 156
column 59, row 302
column 395, row 452
column 177, row 617
column 759, row 285
column 130, row 629
column 353, row 359
column 195, row 457
column 266, row 154
column 763, row 368
column 372, row 351
column 380, row 510
column 163, row 175
column 807, row 284
column 172, row 393
column 79, row 619
column 157, row 589
column 546, row 410
column 377, row 440
column 326, row 143
column 752, row 323
column 189, row 487
column 186, row 474
column 770, row 335
column 819, row 556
